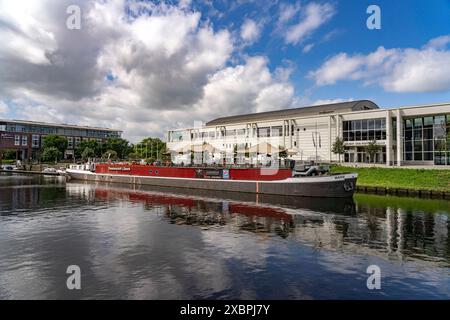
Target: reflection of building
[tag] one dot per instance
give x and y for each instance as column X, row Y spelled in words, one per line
column 26, row 137
column 408, row 135
column 378, row 231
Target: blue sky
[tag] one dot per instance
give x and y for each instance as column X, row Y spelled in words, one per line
column 149, row 66
column 405, row 24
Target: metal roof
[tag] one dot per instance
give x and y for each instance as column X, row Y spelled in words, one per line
column 36, row 123
column 296, row 112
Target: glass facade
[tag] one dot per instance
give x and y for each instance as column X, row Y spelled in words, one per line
column 427, row 139
column 65, row 131
column 364, row 130
column 264, row 132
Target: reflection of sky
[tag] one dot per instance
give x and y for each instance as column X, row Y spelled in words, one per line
column 130, row 250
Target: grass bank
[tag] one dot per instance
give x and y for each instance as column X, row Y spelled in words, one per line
column 415, row 179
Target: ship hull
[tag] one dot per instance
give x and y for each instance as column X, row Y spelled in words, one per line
column 332, row 186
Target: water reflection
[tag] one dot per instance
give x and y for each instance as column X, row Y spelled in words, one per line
column 161, row 243
column 338, row 224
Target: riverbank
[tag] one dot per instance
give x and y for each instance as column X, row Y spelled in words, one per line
column 422, row 182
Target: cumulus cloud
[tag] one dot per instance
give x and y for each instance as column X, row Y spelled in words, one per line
column 395, row 70
column 330, row 101
column 288, row 11
column 245, row 88
column 250, row 31
column 137, row 66
column 307, row 48
column 3, row 108
column 312, row 17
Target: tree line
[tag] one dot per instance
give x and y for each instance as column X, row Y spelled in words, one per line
column 151, row 149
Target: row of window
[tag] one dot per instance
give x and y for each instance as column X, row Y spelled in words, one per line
column 364, row 130
column 366, row 124
column 427, row 139
column 60, row 131
column 35, row 141
column 276, row 131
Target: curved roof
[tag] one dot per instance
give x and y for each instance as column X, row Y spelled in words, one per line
column 296, row 112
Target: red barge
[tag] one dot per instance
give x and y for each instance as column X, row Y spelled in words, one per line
column 281, row 181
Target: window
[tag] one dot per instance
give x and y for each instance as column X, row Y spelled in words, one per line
column 277, row 131
column 70, row 142
column 425, row 139
column 24, row 140
column 364, row 130
column 2, row 127
column 77, row 141
column 17, row 140
column 418, row 123
column 264, row 132
column 35, row 141
column 230, row 133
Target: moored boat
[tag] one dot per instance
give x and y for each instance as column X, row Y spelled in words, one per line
column 276, row 181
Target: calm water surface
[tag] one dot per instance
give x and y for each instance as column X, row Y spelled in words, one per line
column 153, row 243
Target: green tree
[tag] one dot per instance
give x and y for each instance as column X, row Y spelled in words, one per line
column 55, row 141
column 372, row 149
column 51, row 154
column 338, row 147
column 91, row 144
column 151, row 148
column 9, row 154
column 87, row 153
column 133, row 156
column 110, row 154
column 120, row 146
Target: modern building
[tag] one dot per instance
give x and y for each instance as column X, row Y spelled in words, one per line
column 26, row 137
column 414, row 135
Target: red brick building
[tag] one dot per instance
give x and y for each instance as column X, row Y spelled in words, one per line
column 26, row 137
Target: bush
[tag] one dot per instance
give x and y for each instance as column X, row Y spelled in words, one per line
column 8, row 161
column 9, row 154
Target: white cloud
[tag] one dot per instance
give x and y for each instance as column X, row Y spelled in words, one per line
column 395, row 70
column 439, row 42
column 330, row 101
column 3, row 108
column 245, row 88
column 23, row 35
column 170, row 67
column 250, row 31
column 313, row 16
column 288, row 11
column 307, row 48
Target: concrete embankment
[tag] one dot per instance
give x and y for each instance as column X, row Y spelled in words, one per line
column 404, row 192
column 31, row 172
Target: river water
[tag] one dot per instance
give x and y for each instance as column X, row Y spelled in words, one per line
column 153, row 243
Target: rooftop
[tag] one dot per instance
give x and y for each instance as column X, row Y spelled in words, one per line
column 64, row 125
column 357, row 105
